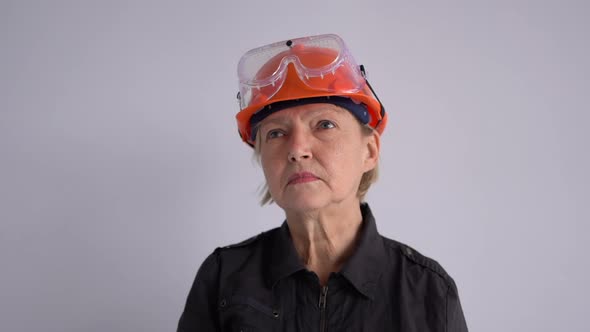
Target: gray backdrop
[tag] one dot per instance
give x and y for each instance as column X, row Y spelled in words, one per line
column 121, row 166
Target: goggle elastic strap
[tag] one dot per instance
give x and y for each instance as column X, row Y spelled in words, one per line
column 363, row 72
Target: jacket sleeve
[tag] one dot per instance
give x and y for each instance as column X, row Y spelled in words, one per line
column 455, row 318
column 200, row 311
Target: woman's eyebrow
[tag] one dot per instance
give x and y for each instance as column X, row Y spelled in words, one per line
column 277, row 121
column 328, row 111
column 282, row 119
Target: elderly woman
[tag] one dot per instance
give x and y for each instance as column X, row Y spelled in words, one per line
column 315, row 123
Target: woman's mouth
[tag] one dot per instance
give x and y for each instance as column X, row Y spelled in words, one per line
column 302, row 177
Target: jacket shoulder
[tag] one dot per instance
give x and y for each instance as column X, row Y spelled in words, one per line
column 415, row 257
column 248, row 243
column 242, row 244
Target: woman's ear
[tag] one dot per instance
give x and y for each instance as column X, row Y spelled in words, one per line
column 373, row 144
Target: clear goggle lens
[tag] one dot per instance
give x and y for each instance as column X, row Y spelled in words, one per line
column 322, row 63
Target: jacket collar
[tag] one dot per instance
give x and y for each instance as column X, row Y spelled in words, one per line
column 362, row 269
column 284, row 259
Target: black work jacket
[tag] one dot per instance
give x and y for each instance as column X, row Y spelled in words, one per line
column 261, row 285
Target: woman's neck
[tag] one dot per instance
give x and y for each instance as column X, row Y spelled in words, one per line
column 325, row 239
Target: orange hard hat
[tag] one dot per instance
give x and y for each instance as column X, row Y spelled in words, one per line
column 303, row 70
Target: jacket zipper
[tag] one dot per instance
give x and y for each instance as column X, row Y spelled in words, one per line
column 322, row 305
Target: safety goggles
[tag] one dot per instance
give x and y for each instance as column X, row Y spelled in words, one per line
column 322, row 63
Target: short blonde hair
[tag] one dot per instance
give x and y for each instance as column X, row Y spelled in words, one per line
column 368, row 178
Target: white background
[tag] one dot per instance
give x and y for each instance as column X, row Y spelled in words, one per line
column 121, row 167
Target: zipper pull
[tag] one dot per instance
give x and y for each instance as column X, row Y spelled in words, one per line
column 322, row 305
column 323, row 296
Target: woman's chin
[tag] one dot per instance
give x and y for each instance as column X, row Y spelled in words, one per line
column 302, row 203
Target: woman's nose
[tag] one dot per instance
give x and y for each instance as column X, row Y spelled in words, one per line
column 296, row 156
column 299, row 147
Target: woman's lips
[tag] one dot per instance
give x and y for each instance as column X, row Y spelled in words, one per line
column 302, row 177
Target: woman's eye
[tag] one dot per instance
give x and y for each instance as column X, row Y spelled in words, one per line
column 274, row 134
column 326, row 124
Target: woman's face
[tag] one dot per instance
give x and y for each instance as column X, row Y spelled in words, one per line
column 313, row 156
